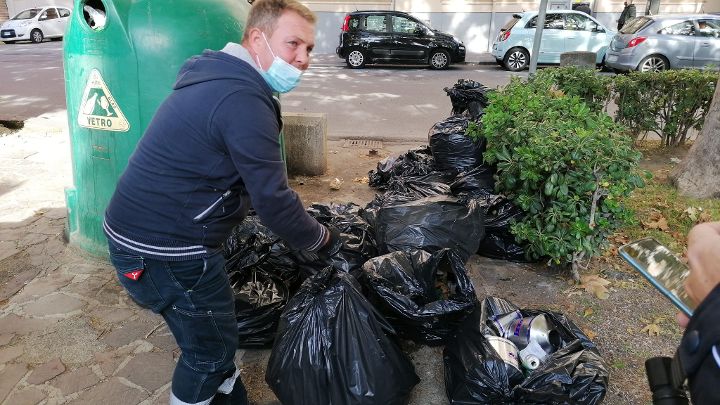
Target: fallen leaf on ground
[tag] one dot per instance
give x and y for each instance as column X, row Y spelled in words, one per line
column 362, row 180
column 659, row 223
column 621, row 238
column 588, row 311
column 652, row 329
column 589, row 333
column 596, row 285
column 705, row 217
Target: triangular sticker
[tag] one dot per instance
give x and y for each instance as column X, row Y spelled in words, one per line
column 134, row 275
column 98, row 109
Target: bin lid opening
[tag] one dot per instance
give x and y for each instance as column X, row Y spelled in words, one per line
column 94, row 14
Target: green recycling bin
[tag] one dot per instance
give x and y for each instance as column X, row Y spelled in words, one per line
column 121, row 59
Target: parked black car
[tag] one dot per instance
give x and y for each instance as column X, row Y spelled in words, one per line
column 395, row 37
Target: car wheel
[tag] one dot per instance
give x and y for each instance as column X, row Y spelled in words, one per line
column 36, row 36
column 439, row 59
column 516, row 59
column 653, row 63
column 356, row 58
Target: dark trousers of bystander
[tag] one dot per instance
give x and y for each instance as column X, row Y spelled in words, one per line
column 196, row 301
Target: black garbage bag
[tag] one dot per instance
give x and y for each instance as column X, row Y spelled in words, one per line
column 430, row 223
column 333, row 348
column 356, row 234
column 406, row 189
column 416, row 162
column 260, row 298
column 425, row 297
column 499, row 242
column 468, row 96
column 251, row 243
column 452, row 150
column 263, row 275
column 478, row 182
column 476, row 374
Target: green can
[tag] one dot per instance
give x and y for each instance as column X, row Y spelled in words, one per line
column 121, row 59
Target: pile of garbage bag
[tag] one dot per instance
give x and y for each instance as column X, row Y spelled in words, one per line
column 457, row 170
column 503, row 354
column 424, row 296
column 333, row 323
column 332, row 347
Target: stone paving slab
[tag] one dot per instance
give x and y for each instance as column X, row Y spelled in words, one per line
column 9, row 376
column 27, row 396
column 149, row 370
column 110, row 392
column 76, row 380
column 46, row 372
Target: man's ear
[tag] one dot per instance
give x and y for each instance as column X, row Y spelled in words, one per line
column 255, row 39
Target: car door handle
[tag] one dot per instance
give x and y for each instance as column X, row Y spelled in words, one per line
column 705, row 44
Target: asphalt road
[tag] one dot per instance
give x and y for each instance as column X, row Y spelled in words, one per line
column 31, row 80
column 384, row 103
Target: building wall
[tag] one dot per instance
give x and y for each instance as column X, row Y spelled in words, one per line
column 3, row 11
column 475, row 22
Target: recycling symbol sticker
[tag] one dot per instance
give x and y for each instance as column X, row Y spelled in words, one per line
column 98, row 109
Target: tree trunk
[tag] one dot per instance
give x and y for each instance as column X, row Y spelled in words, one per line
column 699, row 173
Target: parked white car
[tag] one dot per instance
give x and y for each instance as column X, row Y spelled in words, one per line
column 35, row 24
column 565, row 31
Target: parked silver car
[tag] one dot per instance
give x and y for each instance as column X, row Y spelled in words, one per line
column 652, row 43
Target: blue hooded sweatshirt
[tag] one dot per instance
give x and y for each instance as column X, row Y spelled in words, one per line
column 211, row 151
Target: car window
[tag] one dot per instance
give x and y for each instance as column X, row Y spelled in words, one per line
column 49, row 14
column 64, row 12
column 553, row 21
column 27, row 14
column 511, row 23
column 635, row 25
column 682, row 28
column 405, row 25
column 375, row 23
column 577, row 22
column 708, row 28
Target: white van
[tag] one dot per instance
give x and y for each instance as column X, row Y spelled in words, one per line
column 35, row 24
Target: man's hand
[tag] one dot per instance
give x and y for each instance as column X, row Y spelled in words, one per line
column 332, row 244
column 704, row 260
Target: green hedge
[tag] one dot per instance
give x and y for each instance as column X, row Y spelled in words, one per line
column 668, row 103
column 565, row 164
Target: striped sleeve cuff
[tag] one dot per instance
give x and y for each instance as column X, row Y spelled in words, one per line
column 319, row 242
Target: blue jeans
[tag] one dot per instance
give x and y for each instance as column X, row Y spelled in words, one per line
column 196, row 301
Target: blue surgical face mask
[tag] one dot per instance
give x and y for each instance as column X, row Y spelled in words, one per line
column 281, row 76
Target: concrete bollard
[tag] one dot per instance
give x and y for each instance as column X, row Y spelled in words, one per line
column 578, row 58
column 305, row 143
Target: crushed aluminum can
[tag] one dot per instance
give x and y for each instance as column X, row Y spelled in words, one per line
column 507, row 351
column 537, row 329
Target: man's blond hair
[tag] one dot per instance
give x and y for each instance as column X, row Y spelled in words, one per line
column 264, row 14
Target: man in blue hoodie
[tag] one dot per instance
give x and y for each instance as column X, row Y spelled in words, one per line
column 210, row 153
